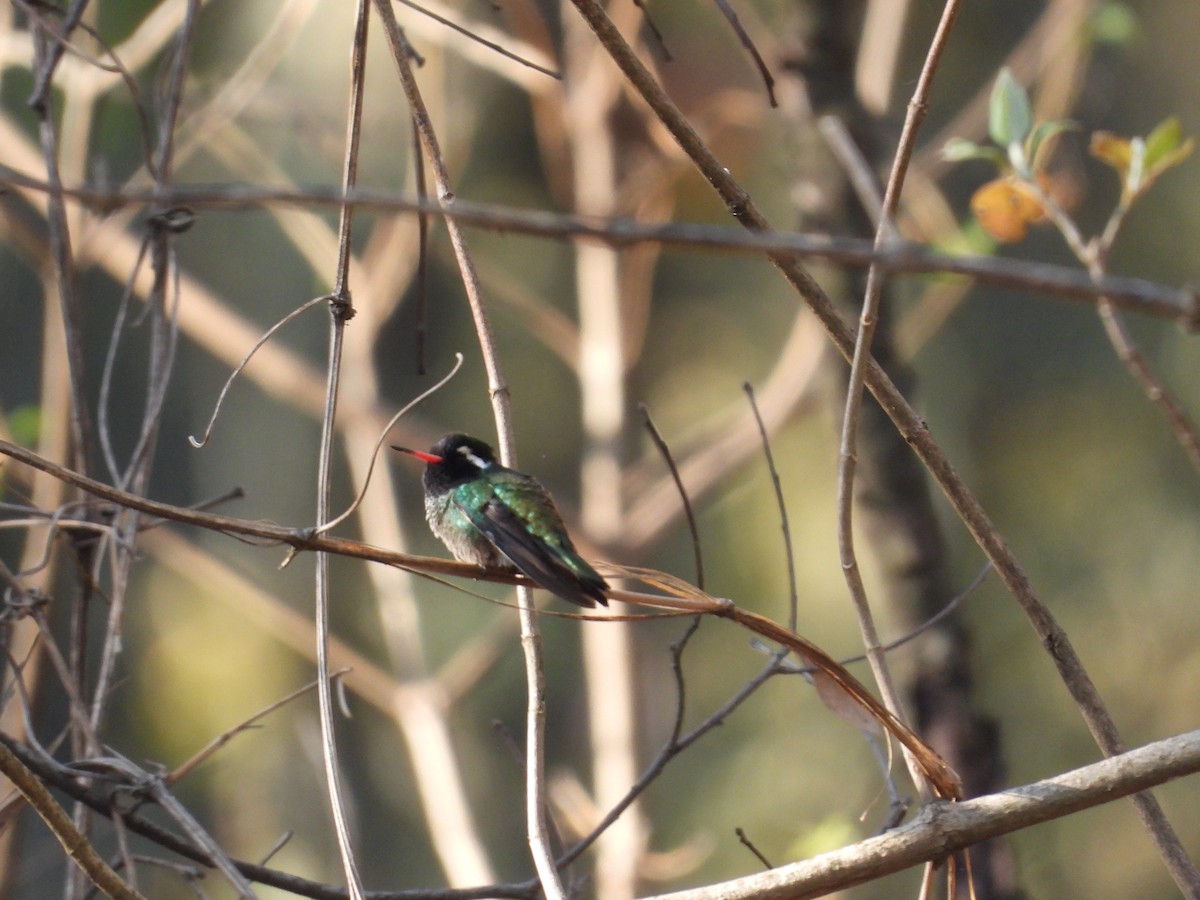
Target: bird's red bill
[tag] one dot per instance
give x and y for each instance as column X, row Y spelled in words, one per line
column 424, row 457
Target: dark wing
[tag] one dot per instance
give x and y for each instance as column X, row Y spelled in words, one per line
column 560, row 570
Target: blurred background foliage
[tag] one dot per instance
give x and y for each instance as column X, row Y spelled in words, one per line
column 1077, row 469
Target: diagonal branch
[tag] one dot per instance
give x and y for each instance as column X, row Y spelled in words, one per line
column 531, row 641
column 944, row 828
column 914, row 430
column 77, row 846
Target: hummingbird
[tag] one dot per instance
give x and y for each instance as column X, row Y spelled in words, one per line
column 488, row 514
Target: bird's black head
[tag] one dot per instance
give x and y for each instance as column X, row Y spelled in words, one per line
column 455, row 459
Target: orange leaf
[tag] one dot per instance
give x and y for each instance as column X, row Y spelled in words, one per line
column 1113, row 150
column 1005, row 208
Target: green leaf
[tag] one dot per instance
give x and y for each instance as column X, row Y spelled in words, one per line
column 1163, row 140
column 1009, row 115
column 1112, row 150
column 1166, row 147
column 960, row 150
column 1114, row 23
column 25, row 423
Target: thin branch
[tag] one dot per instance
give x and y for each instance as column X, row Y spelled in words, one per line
column 142, row 784
column 744, row 38
column 425, row 394
column 189, row 765
column 341, row 310
column 69, row 782
column 44, row 72
column 655, row 32
column 793, row 598
column 678, row 594
column 266, row 336
column 469, row 33
column 535, row 787
column 1137, row 295
column 915, row 633
column 938, row 829
column 661, row 444
column 47, row 53
column 677, row 742
column 745, row 842
column 1094, row 255
column 421, row 323
column 76, row 845
column 912, row 428
column 848, row 449
column 943, row 828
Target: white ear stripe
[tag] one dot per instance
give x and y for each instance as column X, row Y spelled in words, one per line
column 472, row 458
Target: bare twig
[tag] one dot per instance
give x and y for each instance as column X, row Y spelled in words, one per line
column 341, row 310
column 911, row 426
column 744, row 39
column 745, row 842
column 677, row 743
column 847, row 453
column 1094, row 255
column 189, row 765
column 1136, row 295
column 693, row 530
column 793, row 598
column 68, row 782
column 942, row 828
column 891, row 645
column 76, row 845
column 421, row 325
column 470, row 33
column 266, row 336
column 48, row 50
column 498, row 391
column 425, row 394
column 939, row 828
column 142, row 783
